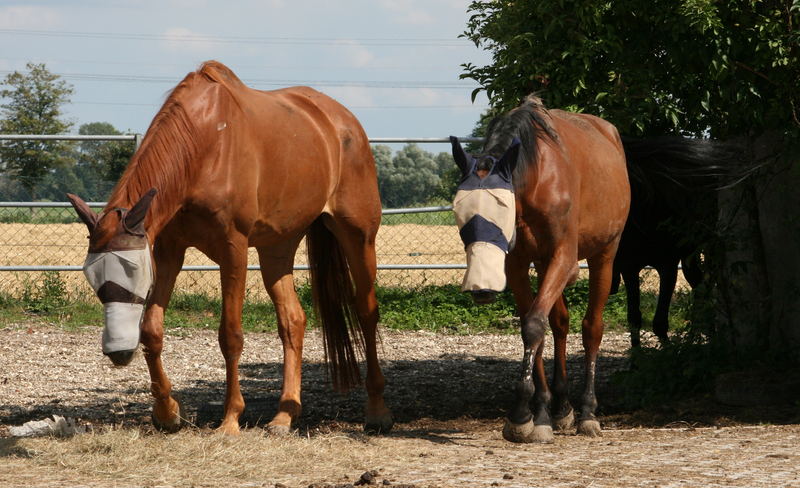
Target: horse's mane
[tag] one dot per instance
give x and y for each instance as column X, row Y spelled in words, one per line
column 528, row 122
column 171, row 144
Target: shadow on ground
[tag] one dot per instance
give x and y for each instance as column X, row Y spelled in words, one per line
column 444, row 393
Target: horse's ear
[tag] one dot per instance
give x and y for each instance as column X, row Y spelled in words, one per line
column 85, row 213
column 509, row 160
column 135, row 216
column 459, row 155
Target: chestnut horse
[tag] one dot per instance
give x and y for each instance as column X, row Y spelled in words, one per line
column 236, row 168
column 566, row 199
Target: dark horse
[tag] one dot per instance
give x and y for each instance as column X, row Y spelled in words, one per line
column 236, row 168
column 570, row 201
column 674, row 183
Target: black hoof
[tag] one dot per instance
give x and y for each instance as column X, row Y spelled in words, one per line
column 121, row 358
column 375, row 426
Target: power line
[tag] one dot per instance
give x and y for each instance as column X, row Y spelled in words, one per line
column 370, row 41
column 359, row 107
column 105, row 62
column 256, row 82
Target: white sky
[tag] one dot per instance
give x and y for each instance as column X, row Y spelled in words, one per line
column 394, row 63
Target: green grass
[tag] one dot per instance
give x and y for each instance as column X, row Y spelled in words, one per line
column 442, row 309
column 47, row 215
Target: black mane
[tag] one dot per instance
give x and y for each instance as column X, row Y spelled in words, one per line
column 528, row 122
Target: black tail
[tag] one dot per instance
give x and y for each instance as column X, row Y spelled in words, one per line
column 684, row 163
column 334, row 303
column 674, row 170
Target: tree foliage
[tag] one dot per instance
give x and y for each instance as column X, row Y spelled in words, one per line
column 33, row 106
column 412, row 176
column 649, row 67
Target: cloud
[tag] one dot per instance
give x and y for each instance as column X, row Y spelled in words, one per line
column 183, row 39
column 408, row 11
column 351, row 96
column 353, row 54
column 28, row 17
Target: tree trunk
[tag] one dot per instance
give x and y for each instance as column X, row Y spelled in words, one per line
column 758, row 268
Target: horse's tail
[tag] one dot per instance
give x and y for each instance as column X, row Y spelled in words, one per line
column 673, row 169
column 334, row 303
column 684, row 162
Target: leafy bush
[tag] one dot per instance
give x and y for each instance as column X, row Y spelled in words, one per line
column 45, row 296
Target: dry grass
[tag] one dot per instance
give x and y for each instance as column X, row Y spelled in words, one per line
column 194, row 457
column 759, row 456
column 65, row 244
column 448, row 394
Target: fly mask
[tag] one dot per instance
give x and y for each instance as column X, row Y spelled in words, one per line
column 122, row 278
column 121, row 273
column 485, row 213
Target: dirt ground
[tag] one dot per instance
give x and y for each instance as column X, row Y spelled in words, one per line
column 448, row 394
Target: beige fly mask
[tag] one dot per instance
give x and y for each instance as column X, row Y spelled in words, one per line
column 122, row 281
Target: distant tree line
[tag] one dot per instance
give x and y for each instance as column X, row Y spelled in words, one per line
column 46, row 170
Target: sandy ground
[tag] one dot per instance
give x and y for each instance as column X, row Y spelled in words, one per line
column 448, row 394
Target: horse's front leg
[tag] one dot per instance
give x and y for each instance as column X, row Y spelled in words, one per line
column 521, row 425
column 233, row 275
column 168, row 260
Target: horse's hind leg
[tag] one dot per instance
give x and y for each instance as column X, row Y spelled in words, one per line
column 276, row 270
column 633, row 301
column 668, row 276
column 359, row 247
column 600, row 274
column 168, row 260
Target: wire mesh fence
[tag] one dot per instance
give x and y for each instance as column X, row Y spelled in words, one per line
column 415, row 247
column 43, row 244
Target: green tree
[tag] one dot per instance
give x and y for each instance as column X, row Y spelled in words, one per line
column 101, row 163
column 410, row 177
column 730, row 70
column 649, row 67
column 34, row 106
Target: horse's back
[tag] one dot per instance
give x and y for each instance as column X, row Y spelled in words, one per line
column 593, row 148
column 286, row 155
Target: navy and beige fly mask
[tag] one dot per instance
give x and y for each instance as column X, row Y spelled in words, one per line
column 121, row 274
column 486, row 217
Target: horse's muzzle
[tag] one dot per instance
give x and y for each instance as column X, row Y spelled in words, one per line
column 483, row 297
column 121, row 358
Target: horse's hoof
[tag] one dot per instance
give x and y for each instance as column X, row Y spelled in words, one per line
column 527, row 433
column 279, row 430
column 378, row 424
column 172, row 425
column 176, row 416
column 564, row 423
column 589, row 428
column 229, row 428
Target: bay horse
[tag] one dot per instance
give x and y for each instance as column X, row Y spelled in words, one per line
column 550, row 187
column 674, row 185
column 234, row 168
